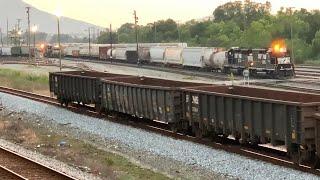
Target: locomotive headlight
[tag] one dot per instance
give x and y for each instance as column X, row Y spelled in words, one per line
column 283, row 50
column 251, row 64
column 276, row 48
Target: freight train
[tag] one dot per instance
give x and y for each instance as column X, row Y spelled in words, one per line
column 19, row 51
column 250, row 115
column 272, row 62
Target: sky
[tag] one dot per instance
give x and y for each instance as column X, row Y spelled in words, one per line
column 117, row 12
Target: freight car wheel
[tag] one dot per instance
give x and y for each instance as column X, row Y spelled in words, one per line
column 316, row 163
column 180, row 127
column 174, row 127
column 98, row 108
column 197, row 131
column 296, row 157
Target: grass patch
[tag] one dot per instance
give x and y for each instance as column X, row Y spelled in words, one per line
column 24, row 81
column 311, row 62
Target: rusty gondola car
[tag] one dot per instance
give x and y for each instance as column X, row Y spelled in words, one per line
column 251, row 115
column 144, row 97
column 255, row 115
column 78, row 86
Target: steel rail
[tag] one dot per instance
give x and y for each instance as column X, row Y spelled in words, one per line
column 24, row 167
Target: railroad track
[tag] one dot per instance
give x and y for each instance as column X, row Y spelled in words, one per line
column 289, row 87
column 255, row 152
column 308, row 72
column 40, row 63
column 213, row 75
column 16, row 166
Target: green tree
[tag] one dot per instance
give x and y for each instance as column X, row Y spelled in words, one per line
column 316, row 45
column 105, row 38
column 257, row 35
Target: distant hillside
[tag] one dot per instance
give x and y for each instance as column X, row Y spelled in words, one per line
column 15, row 9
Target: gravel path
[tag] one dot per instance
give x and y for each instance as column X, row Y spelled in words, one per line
column 220, row 162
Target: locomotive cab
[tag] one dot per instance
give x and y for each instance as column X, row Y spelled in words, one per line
column 237, row 60
column 281, row 62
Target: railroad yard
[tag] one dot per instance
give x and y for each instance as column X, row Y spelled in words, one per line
column 159, row 90
column 81, row 143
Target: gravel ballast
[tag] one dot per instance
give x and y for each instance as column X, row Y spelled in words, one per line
column 190, row 154
column 49, row 162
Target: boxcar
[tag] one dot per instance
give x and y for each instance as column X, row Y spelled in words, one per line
column 132, row 55
column 103, row 52
column 75, row 53
column 78, row 86
column 144, row 97
column 255, row 115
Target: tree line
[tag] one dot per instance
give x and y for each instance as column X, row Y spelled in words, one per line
column 234, row 24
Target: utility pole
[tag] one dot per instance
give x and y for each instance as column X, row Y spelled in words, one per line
column 7, row 32
column 1, row 37
column 155, row 32
column 89, row 43
column 93, row 35
column 118, row 38
column 291, row 34
column 28, row 13
column 59, row 42
column 34, row 30
column 178, row 26
column 110, row 42
column 136, row 27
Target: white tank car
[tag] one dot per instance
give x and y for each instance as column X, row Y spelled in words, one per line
column 109, row 53
column 173, row 55
column 157, row 54
column 217, row 60
column 196, row 56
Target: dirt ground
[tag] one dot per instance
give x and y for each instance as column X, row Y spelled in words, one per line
column 74, row 152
